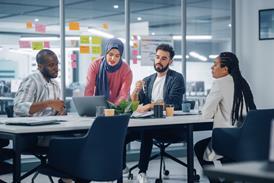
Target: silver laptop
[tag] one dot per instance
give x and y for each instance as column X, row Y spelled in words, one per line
column 86, row 105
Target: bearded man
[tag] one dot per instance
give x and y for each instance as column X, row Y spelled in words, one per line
column 165, row 85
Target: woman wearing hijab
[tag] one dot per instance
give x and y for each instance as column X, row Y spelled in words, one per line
column 230, row 98
column 109, row 75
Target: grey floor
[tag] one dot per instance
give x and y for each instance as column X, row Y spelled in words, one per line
column 177, row 174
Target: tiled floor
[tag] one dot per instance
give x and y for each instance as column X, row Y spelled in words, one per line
column 177, row 174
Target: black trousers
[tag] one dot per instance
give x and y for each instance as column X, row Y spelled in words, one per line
column 200, row 148
column 145, row 149
column 146, row 137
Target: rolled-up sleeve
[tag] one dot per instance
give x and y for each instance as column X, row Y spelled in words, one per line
column 25, row 97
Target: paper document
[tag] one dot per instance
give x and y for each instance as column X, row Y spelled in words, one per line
column 141, row 114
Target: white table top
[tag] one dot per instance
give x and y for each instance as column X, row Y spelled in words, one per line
column 75, row 122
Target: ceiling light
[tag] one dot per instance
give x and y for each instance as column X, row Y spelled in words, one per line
column 139, row 18
column 180, row 57
column 198, row 56
column 213, row 56
column 193, row 37
column 229, row 25
column 153, row 33
column 36, row 20
column 100, row 33
column 115, row 6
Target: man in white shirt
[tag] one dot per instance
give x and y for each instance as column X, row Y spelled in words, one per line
column 165, row 85
column 39, row 94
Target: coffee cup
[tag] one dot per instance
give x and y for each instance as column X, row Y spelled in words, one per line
column 109, row 112
column 186, row 107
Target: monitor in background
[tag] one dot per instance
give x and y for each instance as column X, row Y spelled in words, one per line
column 86, row 105
column 14, row 85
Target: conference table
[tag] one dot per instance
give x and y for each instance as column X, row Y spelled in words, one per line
column 73, row 123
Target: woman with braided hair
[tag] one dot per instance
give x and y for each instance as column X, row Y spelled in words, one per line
column 229, row 99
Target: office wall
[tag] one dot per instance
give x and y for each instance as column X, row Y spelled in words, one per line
column 256, row 57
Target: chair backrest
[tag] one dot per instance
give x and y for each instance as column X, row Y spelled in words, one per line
column 254, row 139
column 101, row 156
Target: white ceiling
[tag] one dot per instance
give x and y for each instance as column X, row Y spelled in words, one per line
column 163, row 16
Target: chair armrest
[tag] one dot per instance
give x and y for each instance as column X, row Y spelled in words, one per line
column 224, row 141
column 64, row 152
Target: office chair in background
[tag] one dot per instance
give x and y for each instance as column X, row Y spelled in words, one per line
column 162, row 143
column 250, row 142
column 95, row 157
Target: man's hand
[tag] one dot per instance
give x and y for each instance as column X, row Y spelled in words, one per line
column 144, row 108
column 57, row 105
column 139, row 85
column 137, row 89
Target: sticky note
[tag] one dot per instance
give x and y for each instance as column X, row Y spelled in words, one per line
column 74, row 26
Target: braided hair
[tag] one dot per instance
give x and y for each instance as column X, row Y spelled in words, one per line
column 242, row 92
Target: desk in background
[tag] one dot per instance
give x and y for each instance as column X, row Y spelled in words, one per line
column 76, row 124
column 247, row 171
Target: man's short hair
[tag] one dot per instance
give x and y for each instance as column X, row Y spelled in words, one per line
column 168, row 48
column 41, row 56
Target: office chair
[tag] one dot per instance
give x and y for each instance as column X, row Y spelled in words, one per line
column 250, row 142
column 95, row 157
column 5, row 154
column 32, row 149
column 162, row 143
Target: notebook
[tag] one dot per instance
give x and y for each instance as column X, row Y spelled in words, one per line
column 32, row 121
column 270, row 162
column 86, row 105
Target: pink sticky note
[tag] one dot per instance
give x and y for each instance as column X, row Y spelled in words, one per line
column 74, row 64
column 46, row 44
column 135, row 60
column 40, row 28
column 24, row 44
column 73, row 57
column 135, row 37
column 134, row 52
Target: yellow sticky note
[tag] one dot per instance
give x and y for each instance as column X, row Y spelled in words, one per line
column 29, row 25
column 84, row 39
column 96, row 50
column 37, row 45
column 84, row 49
column 74, row 26
column 96, row 40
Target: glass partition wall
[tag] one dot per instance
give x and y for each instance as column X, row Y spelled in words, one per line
column 28, row 26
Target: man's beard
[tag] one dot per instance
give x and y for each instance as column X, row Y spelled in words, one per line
column 160, row 69
column 46, row 73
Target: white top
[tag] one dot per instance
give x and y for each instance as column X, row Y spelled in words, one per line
column 218, row 106
column 219, row 102
column 158, row 88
